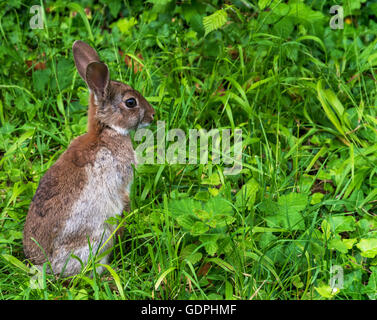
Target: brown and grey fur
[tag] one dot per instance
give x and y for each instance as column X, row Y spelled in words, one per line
column 90, row 181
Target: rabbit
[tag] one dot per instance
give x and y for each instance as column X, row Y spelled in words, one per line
column 90, row 182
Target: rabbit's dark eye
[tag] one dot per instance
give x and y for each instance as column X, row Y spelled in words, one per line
column 131, row 103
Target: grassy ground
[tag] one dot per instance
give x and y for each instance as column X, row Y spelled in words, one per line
column 304, row 96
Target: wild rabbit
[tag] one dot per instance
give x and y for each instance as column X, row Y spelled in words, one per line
column 90, row 182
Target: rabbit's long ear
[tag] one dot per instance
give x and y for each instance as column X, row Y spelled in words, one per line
column 97, row 78
column 83, row 55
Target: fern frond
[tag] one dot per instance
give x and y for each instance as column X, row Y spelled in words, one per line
column 215, row 21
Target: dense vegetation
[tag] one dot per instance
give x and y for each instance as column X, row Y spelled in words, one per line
column 303, row 94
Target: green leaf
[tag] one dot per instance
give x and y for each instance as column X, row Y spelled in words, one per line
column 114, row 6
column 215, row 21
column 349, row 242
column 221, row 263
column 368, row 247
column 125, row 25
column 371, row 288
column 14, row 261
column 330, row 102
column 202, row 214
column 284, row 27
column 340, row 224
column 292, row 202
column 262, row 4
column 80, row 294
column 351, row 6
column 211, row 247
column 317, row 198
column 213, row 180
column 184, row 207
column 198, row 228
column 202, row 196
column 246, row 196
column 220, row 212
column 186, row 221
column 337, row 244
column 218, row 206
column 162, row 277
column 116, row 279
column 288, row 214
column 228, row 291
column 26, row 135
column 41, row 78
column 297, row 282
column 190, row 254
column 326, row 291
column 210, row 242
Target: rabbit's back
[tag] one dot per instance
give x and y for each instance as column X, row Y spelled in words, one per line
column 64, row 226
column 57, row 191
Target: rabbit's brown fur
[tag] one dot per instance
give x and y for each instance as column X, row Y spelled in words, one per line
column 90, row 181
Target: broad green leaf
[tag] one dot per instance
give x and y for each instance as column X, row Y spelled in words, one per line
column 125, row 25
column 351, row 6
column 297, row 282
column 262, row 4
column 317, row 198
column 191, row 254
column 211, row 247
column 368, row 247
column 198, row 228
column 184, row 207
column 202, row 214
column 210, row 242
column 186, row 221
column 337, row 244
column 326, row 291
column 288, row 215
column 218, row 206
column 213, row 191
column 80, row 294
column 202, row 196
column 220, row 221
column 349, row 242
column 341, row 223
column 373, row 59
column 292, row 202
column 284, row 28
column 213, row 180
column 114, row 6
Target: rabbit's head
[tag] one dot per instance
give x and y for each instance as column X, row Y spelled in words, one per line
column 118, row 106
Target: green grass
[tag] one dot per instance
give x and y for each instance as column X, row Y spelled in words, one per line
column 305, row 98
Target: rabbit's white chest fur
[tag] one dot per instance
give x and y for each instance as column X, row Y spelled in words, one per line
column 102, row 197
